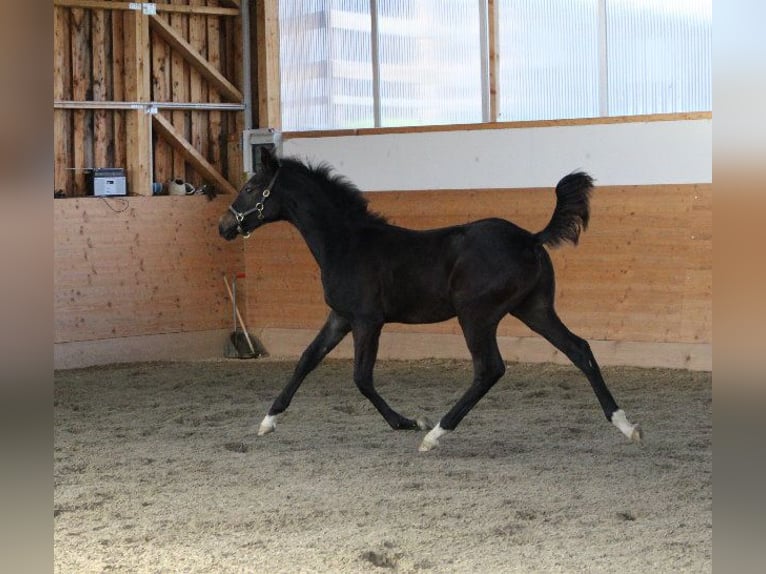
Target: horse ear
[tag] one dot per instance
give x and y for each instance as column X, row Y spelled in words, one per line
column 269, row 159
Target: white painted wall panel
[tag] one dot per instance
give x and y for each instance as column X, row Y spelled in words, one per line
column 660, row 152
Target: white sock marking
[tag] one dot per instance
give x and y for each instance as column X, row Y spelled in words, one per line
column 621, row 422
column 431, row 440
column 268, row 424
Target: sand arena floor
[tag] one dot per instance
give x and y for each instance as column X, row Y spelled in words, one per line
column 158, row 469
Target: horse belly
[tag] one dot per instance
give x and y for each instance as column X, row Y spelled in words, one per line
column 421, row 299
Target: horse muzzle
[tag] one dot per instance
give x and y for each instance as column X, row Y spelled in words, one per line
column 228, row 226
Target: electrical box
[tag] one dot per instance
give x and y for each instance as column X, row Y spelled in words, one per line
column 107, row 181
column 254, row 139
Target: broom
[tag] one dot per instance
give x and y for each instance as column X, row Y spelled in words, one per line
column 234, row 347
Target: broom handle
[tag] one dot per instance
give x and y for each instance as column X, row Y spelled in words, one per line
column 239, row 316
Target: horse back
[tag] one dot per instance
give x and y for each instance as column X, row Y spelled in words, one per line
column 424, row 276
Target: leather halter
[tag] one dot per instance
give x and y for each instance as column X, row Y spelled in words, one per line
column 258, row 208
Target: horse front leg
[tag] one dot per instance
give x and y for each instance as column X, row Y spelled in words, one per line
column 332, row 333
column 488, row 368
column 366, row 338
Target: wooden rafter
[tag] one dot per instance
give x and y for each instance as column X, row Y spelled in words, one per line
column 164, row 128
column 195, row 59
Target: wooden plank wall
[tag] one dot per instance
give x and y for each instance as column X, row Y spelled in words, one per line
column 90, row 66
column 140, row 266
column 642, row 271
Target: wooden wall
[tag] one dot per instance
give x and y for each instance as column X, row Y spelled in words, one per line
column 140, row 266
column 641, row 273
column 107, row 57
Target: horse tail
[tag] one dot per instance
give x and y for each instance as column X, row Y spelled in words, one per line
column 571, row 213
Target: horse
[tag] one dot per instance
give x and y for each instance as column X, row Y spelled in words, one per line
column 374, row 272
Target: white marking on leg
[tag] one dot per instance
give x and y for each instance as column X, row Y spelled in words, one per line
column 268, row 424
column 633, row 432
column 431, row 440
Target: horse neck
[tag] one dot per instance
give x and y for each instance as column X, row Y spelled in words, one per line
column 320, row 223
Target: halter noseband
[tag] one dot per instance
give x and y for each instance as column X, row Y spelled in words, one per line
column 258, row 208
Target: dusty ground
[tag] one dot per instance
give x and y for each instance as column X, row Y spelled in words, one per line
column 158, row 469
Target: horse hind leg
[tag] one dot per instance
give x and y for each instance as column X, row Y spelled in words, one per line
column 543, row 320
column 332, row 333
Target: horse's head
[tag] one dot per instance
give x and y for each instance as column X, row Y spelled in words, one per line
column 255, row 203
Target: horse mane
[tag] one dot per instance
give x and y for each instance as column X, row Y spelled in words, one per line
column 344, row 195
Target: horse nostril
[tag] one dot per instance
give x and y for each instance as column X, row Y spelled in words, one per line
column 225, row 227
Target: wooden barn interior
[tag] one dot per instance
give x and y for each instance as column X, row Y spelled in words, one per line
column 166, row 93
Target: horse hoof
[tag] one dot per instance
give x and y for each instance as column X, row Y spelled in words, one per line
column 431, row 440
column 427, row 445
column 424, row 424
column 633, row 432
column 268, row 425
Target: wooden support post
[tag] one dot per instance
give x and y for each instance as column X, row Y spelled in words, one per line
column 215, row 119
column 179, row 92
column 82, row 135
column 118, row 88
column 267, row 40
column 199, row 90
column 161, row 92
column 62, row 69
column 494, row 59
column 103, row 146
column 138, row 89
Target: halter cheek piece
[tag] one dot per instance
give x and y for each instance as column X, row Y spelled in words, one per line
column 257, row 209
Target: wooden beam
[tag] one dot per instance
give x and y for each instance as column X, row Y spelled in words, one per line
column 196, row 159
column 118, row 87
column 138, row 88
column 105, row 5
column 62, row 70
column 103, row 148
column 267, row 40
column 494, row 59
column 161, row 68
column 195, row 59
column 93, row 4
column 179, row 92
column 82, row 69
column 202, row 10
column 198, row 87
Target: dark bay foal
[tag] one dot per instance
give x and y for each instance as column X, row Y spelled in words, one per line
column 374, row 273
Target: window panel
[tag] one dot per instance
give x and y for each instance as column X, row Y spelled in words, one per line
column 430, row 66
column 659, row 56
column 325, row 64
column 548, row 63
column 556, row 59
